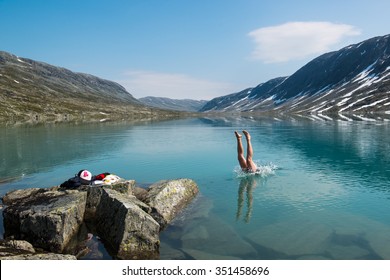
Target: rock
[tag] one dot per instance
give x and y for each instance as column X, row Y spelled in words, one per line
column 171, row 253
column 199, row 233
column 292, row 238
column 214, row 237
column 48, row 256
column 15, row 247
column 89, row 248
column 48, row 219
column 359, row 241
column 167, row 198
column 18, row 195
column 201, row 255
column 52, row 218
column 199, row 209
column 140, row 193
column 380, row 240
column 23, row 250
column 94, row 195
column 125, row 187
column 124, row 223
column 313, row 257
column 353, row 252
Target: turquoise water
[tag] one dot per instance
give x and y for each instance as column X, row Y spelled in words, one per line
column 323, row 192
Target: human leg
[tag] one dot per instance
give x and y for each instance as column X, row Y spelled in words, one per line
column 249, row 152
column 240, row 151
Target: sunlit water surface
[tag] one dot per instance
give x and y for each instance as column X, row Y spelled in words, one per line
column 322, row 193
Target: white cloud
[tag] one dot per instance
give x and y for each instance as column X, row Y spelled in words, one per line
column 297, row 40
column 176, row 86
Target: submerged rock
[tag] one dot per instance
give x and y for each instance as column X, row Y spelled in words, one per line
column 202, row 255
column 214, row 237
column 292, row 238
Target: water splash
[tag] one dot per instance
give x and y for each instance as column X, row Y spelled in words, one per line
column 263, row 170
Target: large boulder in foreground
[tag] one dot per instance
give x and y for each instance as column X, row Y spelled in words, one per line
column 48, row 219
column 127, row 218
column 124, row 222
column 167, row 198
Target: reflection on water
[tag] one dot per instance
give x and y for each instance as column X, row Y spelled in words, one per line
column 27, row 149
column 247, row 185
column 327, row 199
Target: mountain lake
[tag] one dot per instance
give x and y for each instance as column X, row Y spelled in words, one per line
column 323, row 191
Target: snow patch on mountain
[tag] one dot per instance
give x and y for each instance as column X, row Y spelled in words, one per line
column 355, row 79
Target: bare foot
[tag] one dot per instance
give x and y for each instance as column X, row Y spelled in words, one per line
column 237, row 135
column 247, row 135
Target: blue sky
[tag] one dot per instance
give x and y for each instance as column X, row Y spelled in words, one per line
column 196, row 49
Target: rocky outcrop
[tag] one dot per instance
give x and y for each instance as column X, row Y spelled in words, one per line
column 50, row 218
column 126, row 224
column 46, row 218
column 95, row 194
column 43, row 256
column 15, row 247
column 23, row 250
column 20, row 195
column 168, row 197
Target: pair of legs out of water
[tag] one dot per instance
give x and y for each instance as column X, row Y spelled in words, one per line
column 246, row 163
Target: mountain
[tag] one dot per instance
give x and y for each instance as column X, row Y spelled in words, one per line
column 32, row 89
column 353, row 80
column 245, row 99
column 188, row 105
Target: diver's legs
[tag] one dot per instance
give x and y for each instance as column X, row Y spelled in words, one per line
column 240, row 152
column 249, row 152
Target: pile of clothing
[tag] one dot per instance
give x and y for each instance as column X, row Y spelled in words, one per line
column 84, row 177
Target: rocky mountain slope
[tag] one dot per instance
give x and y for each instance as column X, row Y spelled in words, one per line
column 188, row 105
column 31, row 89
column 352, row 81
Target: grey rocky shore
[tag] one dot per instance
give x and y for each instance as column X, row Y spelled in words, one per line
column 43, row 223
